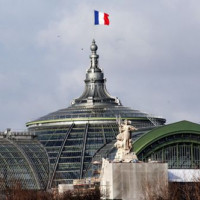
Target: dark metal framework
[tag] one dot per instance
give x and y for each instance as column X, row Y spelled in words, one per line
column 178, row 144
column 83, row 150
column 23, row 161
column 82, row 142
column 59, row 154
column 179, row 151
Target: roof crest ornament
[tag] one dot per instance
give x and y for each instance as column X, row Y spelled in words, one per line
column 95, row 92
column 94, row 57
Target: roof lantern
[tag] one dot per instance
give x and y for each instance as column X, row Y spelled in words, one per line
column 95, row 92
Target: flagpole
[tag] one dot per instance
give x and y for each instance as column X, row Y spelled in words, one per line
column 94, row 34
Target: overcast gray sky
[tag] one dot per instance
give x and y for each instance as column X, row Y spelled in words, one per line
column 150, row 54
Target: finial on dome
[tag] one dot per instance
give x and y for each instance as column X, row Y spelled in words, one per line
column 93, row 47
column 94, row 57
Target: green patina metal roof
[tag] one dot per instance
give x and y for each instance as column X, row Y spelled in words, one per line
column 161, row 132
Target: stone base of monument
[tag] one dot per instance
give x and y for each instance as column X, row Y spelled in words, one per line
column 122, row 157
column 132, row 181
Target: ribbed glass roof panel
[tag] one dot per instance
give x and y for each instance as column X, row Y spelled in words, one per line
column 96, row 112
column 24, row 162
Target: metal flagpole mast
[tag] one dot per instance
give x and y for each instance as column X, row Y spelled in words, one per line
column 94, row 26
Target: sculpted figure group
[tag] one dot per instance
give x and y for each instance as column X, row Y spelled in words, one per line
column 124, row 142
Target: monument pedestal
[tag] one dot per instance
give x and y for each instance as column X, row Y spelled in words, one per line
column 131, row 181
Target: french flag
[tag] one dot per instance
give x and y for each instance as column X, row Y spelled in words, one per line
column 101, row 18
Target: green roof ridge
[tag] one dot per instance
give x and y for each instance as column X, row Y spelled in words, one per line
column 160, row 132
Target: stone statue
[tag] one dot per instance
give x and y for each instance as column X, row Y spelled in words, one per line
column 124, row 142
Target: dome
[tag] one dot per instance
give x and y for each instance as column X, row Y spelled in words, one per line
column 74, row 134
column 23, row 160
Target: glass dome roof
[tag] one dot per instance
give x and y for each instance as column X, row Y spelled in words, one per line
column 73, row 135
column 95, row 103
column 23, row 160
column 98, row 112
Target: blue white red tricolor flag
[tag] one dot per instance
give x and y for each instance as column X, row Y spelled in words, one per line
column 101, row 18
